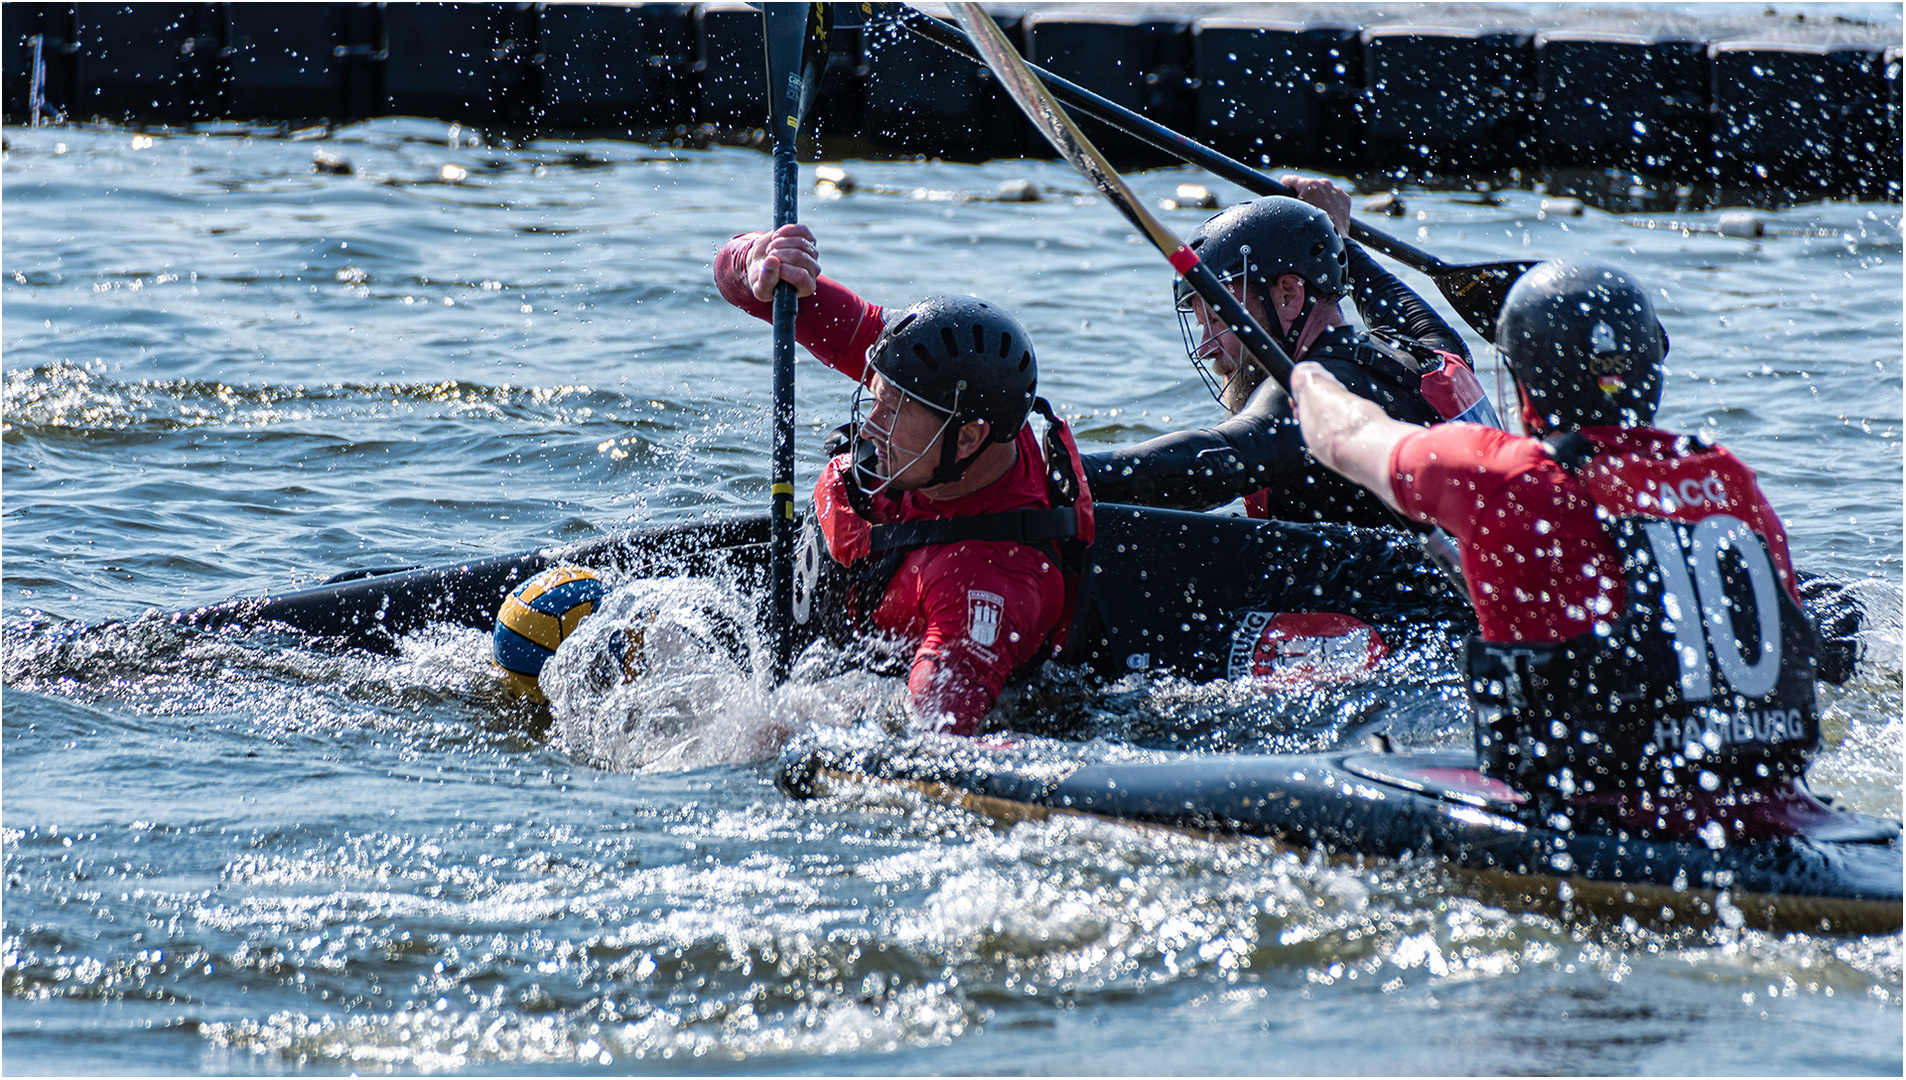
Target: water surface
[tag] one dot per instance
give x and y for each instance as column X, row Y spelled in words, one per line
column 227, row 375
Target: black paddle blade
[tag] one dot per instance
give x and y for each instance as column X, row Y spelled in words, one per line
column 796, row 36
column 820, row 28
column 784, row 32
column 1476, row 291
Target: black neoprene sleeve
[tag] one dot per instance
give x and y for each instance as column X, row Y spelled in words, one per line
column 1204, row 468
column 1383, row 300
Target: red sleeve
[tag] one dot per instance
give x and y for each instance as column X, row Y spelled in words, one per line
column 1447, row 473
column 834, row 324
column 988, row 609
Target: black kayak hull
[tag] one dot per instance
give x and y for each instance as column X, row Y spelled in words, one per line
column 1844, row 877
column 1189, row 594
column 1168, row 591
column 373, row 609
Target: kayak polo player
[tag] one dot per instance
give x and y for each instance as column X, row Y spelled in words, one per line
column 1288, row 263
column 1642, row 663
column 947, row 522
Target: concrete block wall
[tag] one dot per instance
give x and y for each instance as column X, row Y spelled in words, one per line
column 1748, row 121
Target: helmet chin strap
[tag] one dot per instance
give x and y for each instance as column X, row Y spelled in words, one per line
column 951, row 467
column 1298, row 322
column 1533, row 423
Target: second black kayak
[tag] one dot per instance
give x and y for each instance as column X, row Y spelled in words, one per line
column 1200, row 596
column 1841, row 873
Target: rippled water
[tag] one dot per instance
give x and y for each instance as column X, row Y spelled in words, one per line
column 227, row 375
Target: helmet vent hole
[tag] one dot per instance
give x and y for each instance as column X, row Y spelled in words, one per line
column 1005, row 345
column 1025, row 358
column 952, row 341
column 903, row 323
column 926, row 356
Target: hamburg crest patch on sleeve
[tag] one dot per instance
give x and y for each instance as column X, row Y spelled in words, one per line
column 983, row 610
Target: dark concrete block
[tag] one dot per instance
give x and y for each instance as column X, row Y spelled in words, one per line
column 1279, row 96
column 922, row 98
column 620, row 68
column 469, row 62
column 361, row 53
column 1449, row 102
column 150, row 62
column 1611, row 101
column 1883, row 181
column 1142, row 64
column 732, row 66
column 285, row 61
column 1800, row 122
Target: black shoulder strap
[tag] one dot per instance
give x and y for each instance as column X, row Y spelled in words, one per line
column 1060, row 522
column 1397, row 348
column 1024, row 526
column 1570, row 449
column 1061, row 479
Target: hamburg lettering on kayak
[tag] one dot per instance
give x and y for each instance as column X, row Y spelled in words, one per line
column 1298, row 647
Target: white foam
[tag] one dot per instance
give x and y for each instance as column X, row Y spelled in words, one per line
column 671, row 673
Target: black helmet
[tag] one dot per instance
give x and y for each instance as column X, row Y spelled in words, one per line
column 1583, row 343
column 1273, row 236
column 962, row 356
column 1264, row 239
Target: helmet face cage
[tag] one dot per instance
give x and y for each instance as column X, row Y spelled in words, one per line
column 865, row 469
column 1262, row 241
column 1192, row 331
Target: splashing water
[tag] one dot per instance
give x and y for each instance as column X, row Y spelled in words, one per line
column 671, row 673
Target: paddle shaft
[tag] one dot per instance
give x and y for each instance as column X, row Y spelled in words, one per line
column 785, row 34
column 1475, row 290
column 1039, row 106
column 1037, row 102
column 781, row 468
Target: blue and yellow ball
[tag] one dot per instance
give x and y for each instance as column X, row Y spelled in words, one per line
column 537, row 616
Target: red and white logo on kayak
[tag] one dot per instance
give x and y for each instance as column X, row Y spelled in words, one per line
column 1292, row 648
column 983, row 610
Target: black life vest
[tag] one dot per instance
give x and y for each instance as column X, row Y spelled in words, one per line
column 1706, row 678
column 838, row 601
